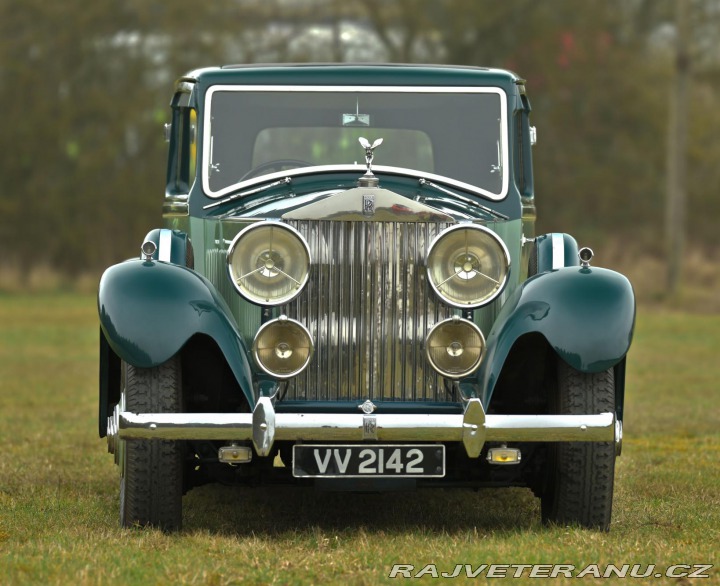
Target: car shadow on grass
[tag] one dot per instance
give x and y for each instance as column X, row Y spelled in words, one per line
column 277, row 510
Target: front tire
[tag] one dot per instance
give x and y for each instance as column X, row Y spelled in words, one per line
column 580, row 476
column 151, row 478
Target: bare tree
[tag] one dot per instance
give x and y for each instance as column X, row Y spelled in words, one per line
column 677, row 152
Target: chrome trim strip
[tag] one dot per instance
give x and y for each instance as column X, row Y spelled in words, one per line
column 551, row 428
column 286, row 176
column 286, row 426
column 558, row 251
column 356, row 89
column 176, row 205
column 284, row 181
column 264, row 426
column 165, row 245
column 487, row 210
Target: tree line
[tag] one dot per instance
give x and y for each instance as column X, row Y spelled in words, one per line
column 85, row 89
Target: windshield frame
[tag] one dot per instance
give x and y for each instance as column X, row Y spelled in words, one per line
column 360, row 168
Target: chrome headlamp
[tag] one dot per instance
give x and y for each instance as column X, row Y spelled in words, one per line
column 282, row 347
column 455, row 347
column 468, row 266
column 269, row 263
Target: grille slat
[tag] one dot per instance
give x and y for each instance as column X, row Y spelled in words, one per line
column 368, row 307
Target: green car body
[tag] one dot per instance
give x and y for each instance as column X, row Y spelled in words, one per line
column 372, row 242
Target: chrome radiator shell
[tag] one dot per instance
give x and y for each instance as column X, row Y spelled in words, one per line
column 368, row 307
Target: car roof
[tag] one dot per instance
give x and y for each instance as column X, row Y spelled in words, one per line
column 386, row 74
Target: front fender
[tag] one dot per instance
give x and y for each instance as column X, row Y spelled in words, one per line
column 148, row 311
column 587, row 315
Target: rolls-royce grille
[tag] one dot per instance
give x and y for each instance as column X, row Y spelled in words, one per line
column 368, row 307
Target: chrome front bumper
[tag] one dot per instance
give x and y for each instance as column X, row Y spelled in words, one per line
column 264, row 426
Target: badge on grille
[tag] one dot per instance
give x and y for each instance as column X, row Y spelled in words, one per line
column 368, row 204
column 370, row 427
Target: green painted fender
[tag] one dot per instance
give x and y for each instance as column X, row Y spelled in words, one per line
column 148, row 311
column 587, row 315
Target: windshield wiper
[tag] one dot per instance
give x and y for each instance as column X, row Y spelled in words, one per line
column 283, row 181
column 487, row 210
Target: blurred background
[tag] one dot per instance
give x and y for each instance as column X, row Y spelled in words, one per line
column 624, row 96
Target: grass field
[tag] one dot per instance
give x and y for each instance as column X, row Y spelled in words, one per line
column 59, row 487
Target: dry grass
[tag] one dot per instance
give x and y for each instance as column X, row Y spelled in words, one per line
column 58, row 486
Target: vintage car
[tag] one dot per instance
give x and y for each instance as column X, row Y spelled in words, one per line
column 347, row 292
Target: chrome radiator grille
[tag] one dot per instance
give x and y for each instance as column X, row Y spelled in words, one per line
column 368, row 308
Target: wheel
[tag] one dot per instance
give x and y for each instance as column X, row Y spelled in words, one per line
column 279, row 165
column 151, row 480
column 580, row 475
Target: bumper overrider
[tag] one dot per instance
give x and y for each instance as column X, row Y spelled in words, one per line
column 264, row 426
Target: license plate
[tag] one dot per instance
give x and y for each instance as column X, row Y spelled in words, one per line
column 362, row 461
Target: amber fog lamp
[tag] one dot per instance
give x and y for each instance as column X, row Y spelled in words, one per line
column 455, row 347
column 283, row 347
column 468, row 266
column 269, row 263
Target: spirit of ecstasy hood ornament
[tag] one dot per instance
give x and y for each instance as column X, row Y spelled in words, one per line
column 369, row 180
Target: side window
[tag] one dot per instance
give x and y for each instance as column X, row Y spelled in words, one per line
column 192, row 166
column 519, row 152
column 182, row 156
column 524, row 172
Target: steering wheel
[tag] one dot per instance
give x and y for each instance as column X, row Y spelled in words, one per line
column 278, row 164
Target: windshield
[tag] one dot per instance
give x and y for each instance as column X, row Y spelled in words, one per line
column 454, row 133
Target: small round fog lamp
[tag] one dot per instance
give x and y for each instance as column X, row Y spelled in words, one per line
column 283, row 347
column 455, row 347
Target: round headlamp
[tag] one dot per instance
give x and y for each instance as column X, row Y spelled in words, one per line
column 467, row 266
column 282, row 347
column 269, row 263
column 455, row 347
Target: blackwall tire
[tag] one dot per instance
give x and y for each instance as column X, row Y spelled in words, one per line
column 151, row 480
column 580, row 476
